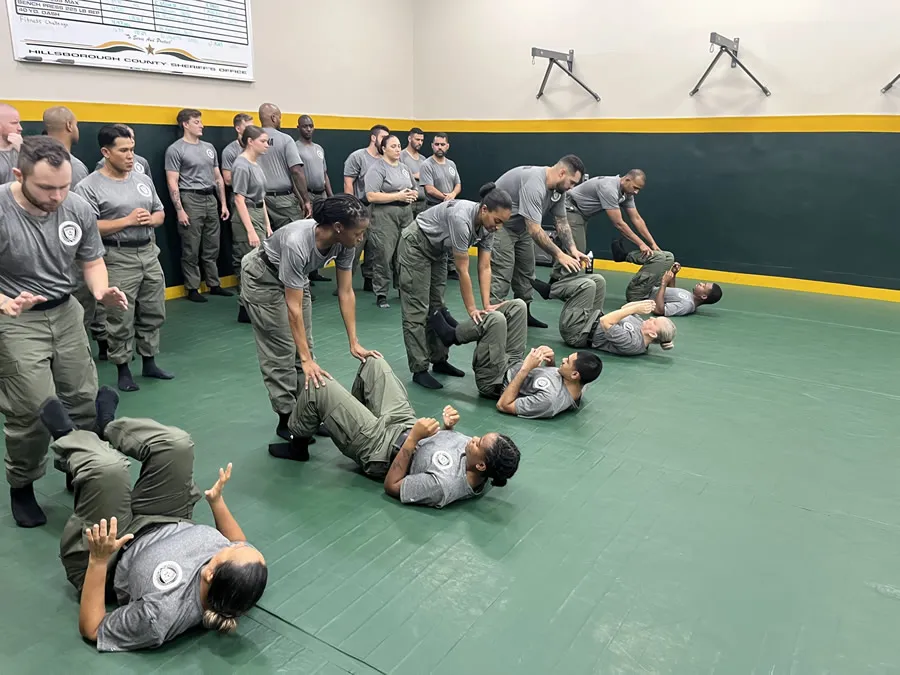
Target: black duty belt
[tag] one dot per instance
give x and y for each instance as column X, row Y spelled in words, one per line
column 198, row 191
column 595, row 324
column 135, row 243
column 265, row 259
column 255, row 205
column 279, row 193
column 50, row 304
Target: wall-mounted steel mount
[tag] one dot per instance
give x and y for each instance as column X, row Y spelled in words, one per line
column 729, row 47
column 555, row 58
column 890, row 84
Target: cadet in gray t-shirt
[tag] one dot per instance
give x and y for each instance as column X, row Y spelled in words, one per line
column 535, row 191
column 413, row 160
column 442, row 177
column 231, row 152
column 10, row 138
column 79, row 171
column 165, row 578
column 536, row 389
column 141, row 165
column 623, row 332
column 313, row 156
column 287, row 199
column 437, row 467
column 9, row 159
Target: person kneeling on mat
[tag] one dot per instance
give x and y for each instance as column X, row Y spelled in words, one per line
column 377, row 428
column 535, row 388
column 582, row 322
column 656, row 281
column 167, row 573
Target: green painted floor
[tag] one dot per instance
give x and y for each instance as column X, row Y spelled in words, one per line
column 728, row 507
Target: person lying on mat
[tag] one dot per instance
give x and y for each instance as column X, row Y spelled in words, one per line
column 167, row 573
column 377, row 428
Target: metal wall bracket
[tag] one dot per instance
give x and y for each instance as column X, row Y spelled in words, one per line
column 556, row 58
column 890, row 84
column 729, row 47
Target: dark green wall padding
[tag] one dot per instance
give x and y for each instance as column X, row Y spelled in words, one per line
column 819, row 206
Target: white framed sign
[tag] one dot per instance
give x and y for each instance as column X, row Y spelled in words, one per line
column 202, row 38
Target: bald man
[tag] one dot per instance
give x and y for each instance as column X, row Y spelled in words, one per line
column 10, row 141
column 60, row 123
column 287, row 198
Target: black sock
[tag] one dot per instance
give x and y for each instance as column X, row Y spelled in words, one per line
column 102, row 350
column 542, row 287
column 243, row 317
column 126, row 380
column 282, row 430
column 618, row 250
column 425, row 379
column 152, row 370
column 25, row 509
column 448, row 317
column 55, row 417
column 296, row 449
column 445, row 332
column 446, row 368
column 106, row 404
column 534, row 323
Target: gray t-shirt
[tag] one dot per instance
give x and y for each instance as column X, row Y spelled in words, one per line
column 248, row 179
column 437, row 473
column 542, row 395
column 196, row 164
column 112, row 199
column 279, row 160
column 79, row 171
column 451, row 226
column 38, row 254
column 415, row 167
column 9, row 160
column 678, row 301
column 622, row 338
column 141, row 165
column 384, row 177
column 231, row 152
column 313, row 156
column 600, row 194
column 157, row 586
column 356, row 166
column 292, row 249
column 443, row 177
column 527, row 185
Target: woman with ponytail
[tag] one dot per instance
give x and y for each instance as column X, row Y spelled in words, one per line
column 435, row 467
column 275, row 291
column 248, row 184
column 449, row 228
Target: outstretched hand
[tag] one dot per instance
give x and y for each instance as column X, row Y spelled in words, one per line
column 113, row 297
column 215, row 492
column 21, row 303
column 102, row 542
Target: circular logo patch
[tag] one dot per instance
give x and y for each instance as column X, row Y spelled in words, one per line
column 144, row 190
column 555, row 197
column 139, row 167
column 167, row 575
column 69, row 233
column 441, row 460
column 210, row 153
column 452, row 171
column 405, row 170
column 319, row 153
column 542, row 383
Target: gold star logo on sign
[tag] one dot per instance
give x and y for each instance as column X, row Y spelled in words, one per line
column 149, row 49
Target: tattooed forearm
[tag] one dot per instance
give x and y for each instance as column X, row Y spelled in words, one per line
column 542, row 239
column 564, row 233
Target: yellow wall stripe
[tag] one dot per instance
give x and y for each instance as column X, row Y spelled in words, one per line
column 736, row 278
column 165, row 115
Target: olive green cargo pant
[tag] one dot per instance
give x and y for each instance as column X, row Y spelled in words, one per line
column 512, row 264
column 43, row 353
column 200, row 240
column 137, row 273
column 94, row 313
column 501, row 339
column 583, row 296
column 279, row 361
column 388, row 221
column 240, row 241
column 650, row 274
column 364, row 424
column 423, row 280
column 164, row 492
column 283, row 209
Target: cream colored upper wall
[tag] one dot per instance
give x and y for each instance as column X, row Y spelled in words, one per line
column 308, row 57
column 643, row 57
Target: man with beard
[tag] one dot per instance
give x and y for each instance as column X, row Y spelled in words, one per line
column 10, row 141
column 128, row 210
column 355, row 167
column 535, row 190
column 316, row 169
column 44, row 229
column 440, row 181
column 413, row 161
column 233, row 150
column 287, row 198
